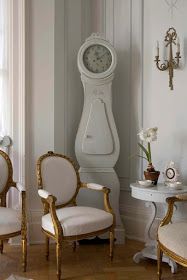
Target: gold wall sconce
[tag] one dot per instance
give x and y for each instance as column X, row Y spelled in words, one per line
column 171, row 63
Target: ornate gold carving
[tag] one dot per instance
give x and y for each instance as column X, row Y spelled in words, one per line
column 23, row 231
column 39, row 176
column 172, row 63
column 50, row 207
column 160, row 247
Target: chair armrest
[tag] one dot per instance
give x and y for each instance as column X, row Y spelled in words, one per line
column 105, row 190
column 43, row 194
column 95, row 187
column 47, row 197
column 181, row 197
column 49, row 207
column 171, row 201
column 20, row 187
column 22, row 190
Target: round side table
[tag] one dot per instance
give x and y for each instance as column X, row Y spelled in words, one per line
column 151, row 196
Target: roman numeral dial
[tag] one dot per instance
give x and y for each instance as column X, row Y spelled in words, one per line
column 97, row 58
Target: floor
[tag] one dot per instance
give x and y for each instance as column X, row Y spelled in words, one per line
column 89, row 262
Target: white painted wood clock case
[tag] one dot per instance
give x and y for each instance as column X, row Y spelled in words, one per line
column 97, row 143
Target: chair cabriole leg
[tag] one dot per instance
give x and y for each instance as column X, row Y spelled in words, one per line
column 74, row 246
column 24, row 253
column 159, row 262
column 111, row 244
column 1, row 246
column 59, row 258
column 47, row 247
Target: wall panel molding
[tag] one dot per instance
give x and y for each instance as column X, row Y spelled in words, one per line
column 109, row 21
column 124, row 184
column 60, row 76
column 86, row 15
column 136, row 100
column 98, row 15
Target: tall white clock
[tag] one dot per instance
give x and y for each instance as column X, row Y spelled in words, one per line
column 97, row 143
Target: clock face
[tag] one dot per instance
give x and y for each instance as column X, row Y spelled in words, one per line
column 97, row 58
column 170, row 173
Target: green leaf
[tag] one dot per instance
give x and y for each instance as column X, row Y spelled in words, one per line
column 149, row 151
column 142, row 157
column 130, row 157
column 144, row 150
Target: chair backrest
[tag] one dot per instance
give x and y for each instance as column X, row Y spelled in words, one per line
column 58, row 175
column 6, row 173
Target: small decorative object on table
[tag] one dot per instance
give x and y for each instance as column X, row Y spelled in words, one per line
column 145, row 183
column 171, row 176
column 149, row 135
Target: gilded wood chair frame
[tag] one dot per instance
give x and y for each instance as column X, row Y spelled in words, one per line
column 23, row 232
column 161, row 249
column 50, row 207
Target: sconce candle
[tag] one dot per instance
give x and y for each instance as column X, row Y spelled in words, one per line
column 157, row 48
column 171, row 63
column 178, row 45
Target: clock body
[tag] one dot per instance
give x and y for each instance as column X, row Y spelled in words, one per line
column 97, row 144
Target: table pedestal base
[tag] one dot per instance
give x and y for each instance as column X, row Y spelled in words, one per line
column 151, row 253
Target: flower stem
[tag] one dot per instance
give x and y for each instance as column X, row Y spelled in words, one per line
column 149, row 151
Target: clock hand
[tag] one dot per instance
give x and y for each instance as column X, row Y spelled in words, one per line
column 99, row 57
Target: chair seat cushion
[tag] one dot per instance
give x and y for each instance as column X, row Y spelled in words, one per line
column 78, row 220
column 10, row 220
column 174, row 237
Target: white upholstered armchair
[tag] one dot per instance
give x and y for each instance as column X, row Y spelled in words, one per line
column 172, row 237
column 12, row 222
column 59, row 184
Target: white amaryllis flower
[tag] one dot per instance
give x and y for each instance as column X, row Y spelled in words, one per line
column 148, row 135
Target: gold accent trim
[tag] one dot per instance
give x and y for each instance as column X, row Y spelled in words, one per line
column 171, row 201
column 50, row 207
column 9, row 235
column 23, row 232
column 160, row 247
column 172, row 62
column 180, row 260
column 9, row 182
column 39, row 176
column 78, row 237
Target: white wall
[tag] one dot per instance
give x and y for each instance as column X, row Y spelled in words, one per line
column 153, row 103
column 141, row 96
column 160, row 106
column 172, row 139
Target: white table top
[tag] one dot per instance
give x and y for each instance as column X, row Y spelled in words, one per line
column 157, row 193
column 161, row 188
